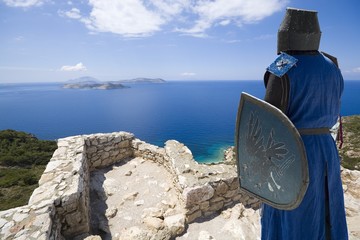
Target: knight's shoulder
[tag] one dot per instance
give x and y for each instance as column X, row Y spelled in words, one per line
column 282, row 64
column 332, row 58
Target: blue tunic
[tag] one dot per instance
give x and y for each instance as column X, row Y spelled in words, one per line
column 316, row 85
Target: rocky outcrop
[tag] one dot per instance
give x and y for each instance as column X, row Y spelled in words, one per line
column 62, row 207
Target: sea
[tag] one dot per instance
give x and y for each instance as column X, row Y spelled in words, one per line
column 199, row 114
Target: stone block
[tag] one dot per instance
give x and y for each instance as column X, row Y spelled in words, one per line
column 217, row 199
column 216, row 206
column 237, row 198
column 153, row 223
column 193, row 209
column 198, row 194
column 176, row 224
column 192, row 217
column 234, row 184
column 153, row 212
column 91, row 150
column 94, row 142
column 221, row 189
column 103, row 139
column 105, row 155
column 123, row 144
column 204, row 205
column 117, row 139
column 114, row 153
column 231, row 193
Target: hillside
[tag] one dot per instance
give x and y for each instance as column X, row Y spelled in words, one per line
column 350, row 151
column 23, row 158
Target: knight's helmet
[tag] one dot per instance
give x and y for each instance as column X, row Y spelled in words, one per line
column 299, row 31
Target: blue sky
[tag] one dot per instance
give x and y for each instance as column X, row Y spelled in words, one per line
column 53, row 40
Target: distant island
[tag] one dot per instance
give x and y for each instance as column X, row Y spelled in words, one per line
column 101, row 86
column 93, row 83
column 143, row 80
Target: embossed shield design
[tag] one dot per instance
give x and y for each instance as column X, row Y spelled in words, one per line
column 270, row 154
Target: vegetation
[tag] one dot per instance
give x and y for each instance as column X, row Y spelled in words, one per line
column 350, row 151
column 23, row 158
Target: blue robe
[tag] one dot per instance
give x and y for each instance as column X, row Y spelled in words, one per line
column 315, row 89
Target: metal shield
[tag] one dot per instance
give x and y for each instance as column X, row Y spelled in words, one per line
column 270, row 154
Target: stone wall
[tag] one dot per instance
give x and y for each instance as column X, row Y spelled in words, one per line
column 205, row 188
column 59, row 207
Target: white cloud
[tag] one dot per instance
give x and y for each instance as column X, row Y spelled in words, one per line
column 237, row 11
column 140, row 18
column 129, row 18
column 170, row 8
column 356, row 70
column 74, row 13
column 24, row 3
column 225, row 22
column 188, row 74
column 77, row 67
column 19, row 38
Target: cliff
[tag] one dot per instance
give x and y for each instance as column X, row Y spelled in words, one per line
column 119, row 187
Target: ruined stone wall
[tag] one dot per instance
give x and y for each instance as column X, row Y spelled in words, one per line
column 59, row 208
column 205, row 188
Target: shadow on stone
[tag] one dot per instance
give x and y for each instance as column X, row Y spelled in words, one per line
column 99, row 224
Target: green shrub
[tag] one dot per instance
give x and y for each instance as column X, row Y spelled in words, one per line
column 23, row 149
column 23, row 158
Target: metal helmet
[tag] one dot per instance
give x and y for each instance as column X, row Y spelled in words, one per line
column 299, row 31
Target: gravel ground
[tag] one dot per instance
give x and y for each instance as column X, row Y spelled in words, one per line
column 123, row 195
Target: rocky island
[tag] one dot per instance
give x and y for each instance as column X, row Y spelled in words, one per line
column 101, row 86
column 93, row 83
column 143, row 80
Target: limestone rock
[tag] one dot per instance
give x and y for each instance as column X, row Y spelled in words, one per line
column 128, row 173
column 221, row 189
column 131, row 196
column 176, row 224
column 198, row 194
column 154, row 223
column 139, row 203
column 111, row 212
column 153, row 212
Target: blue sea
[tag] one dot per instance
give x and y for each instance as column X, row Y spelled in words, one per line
column 200, row 114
